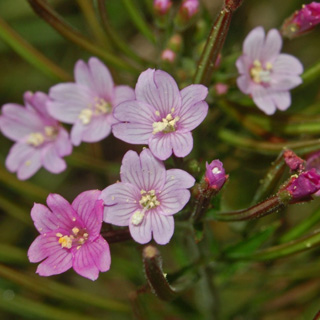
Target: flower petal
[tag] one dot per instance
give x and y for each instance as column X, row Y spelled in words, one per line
column 121, row 200
column 262, row 99
column 18, row 154
column 272, row 46
column 244, row 83
column 158, row 89
column 287, row 64
column 282, row 99
column 30, row 166
column 182, row 143
column 68, row 99
column 146, row 172
column 92, row 258
column 191, row 95
column 133, row 133
column 253, row 43
column 121, row 94
column 62, row 143
column 44, row 219
column 82, row 75
column 162, row 227
column 284, row 82
column 102, row 79
column 193, row 116
column 64, row 214
column 52, row 161
column 90, row 210
column 161, row 146
column 141, row 233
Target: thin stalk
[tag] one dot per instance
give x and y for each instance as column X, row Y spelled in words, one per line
column 46, row 12
column 215, row 42
column 115, row 36
column 90, row 15
column 59, row 291
column 12, row 255
column 30, row 54
column 271, row 148
column 311, row 74
column 138, row 20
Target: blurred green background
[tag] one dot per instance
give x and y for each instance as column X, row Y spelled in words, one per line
column 288, row 288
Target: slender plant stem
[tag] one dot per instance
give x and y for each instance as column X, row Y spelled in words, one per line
column 311, row 74
column 30, row 54
column 46, row 12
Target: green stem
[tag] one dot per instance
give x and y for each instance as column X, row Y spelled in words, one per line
column 59, row 291
column 138, row 20
column 47, row 13
column 292, row 247
column 271, row 148
column 302, row 227
column 311, row 74
column 12, row 255
column 30, row 54
column 215, row 43
column 115, row 36
column 90, row 15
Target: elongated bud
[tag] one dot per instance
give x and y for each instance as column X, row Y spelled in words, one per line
column 294, row 162
column 168, row 55
column 188, row 10
column 302, row 21
column 215, row 175
column 161, row 7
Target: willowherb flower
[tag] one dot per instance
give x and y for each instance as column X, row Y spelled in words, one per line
column 147, row 197
column 302, row 21
column 161, row 116
column 88, row 103
column 303, row 186
column 70, row 236
column 40, row 139
column 162, row 6
column 266, row 74
column 215, row 175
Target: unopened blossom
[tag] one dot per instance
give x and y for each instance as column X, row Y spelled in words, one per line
column 161, row 116
column 265, row 74
column 189, row 8
column 88, row 103
column 303, row 186
column 70, row 236
column 294, row 162
column 40, row 141
column 168, row 55
column 313, row 161
column 221, row 88
column 147, row 197
column 215, row 175
column 162, row 6
column 302, row 21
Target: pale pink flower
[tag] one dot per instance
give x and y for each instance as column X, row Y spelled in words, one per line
column 161, row 116
column 40, row 139
column 302, row 21
column 88, row 103
column 70, row 236
column 147, row 197
column 266, row 74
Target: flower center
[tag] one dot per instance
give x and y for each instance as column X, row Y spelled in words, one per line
column 148, row 201
column 78, row 238
column 37, row 138
column 100, row 106
column 260, row 74
column 216, row 170
column 168, row 124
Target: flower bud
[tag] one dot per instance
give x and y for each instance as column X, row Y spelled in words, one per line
column 303, row 186
column 221, row 89
column 168, row 55
column 161, row 7
column 302, row 21
column 294, row 162
column 187, row 11
column 215, row 175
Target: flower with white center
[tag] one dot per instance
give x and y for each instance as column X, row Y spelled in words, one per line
column 70, row 236
column 147, row 197
column 40, row 139
column 266, row 74
column 88, row 103
column 161, row 116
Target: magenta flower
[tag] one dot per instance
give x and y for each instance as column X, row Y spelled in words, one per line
column 88, row 103
column 147, row 197
column 303, row 186
column 215, row 175
column 40, row 139
column 161, row 116
column 162, row 6
column 266, row 74
column 70, row 236
column 302, row 21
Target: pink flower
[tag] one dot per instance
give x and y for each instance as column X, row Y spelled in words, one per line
column 40, row 139
column 266, row 74
column 70, row 236
column 161, row 116
column 88, row 103
column 302, row 21
column 215, row 175
column 147, row 197
column 162, row 6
